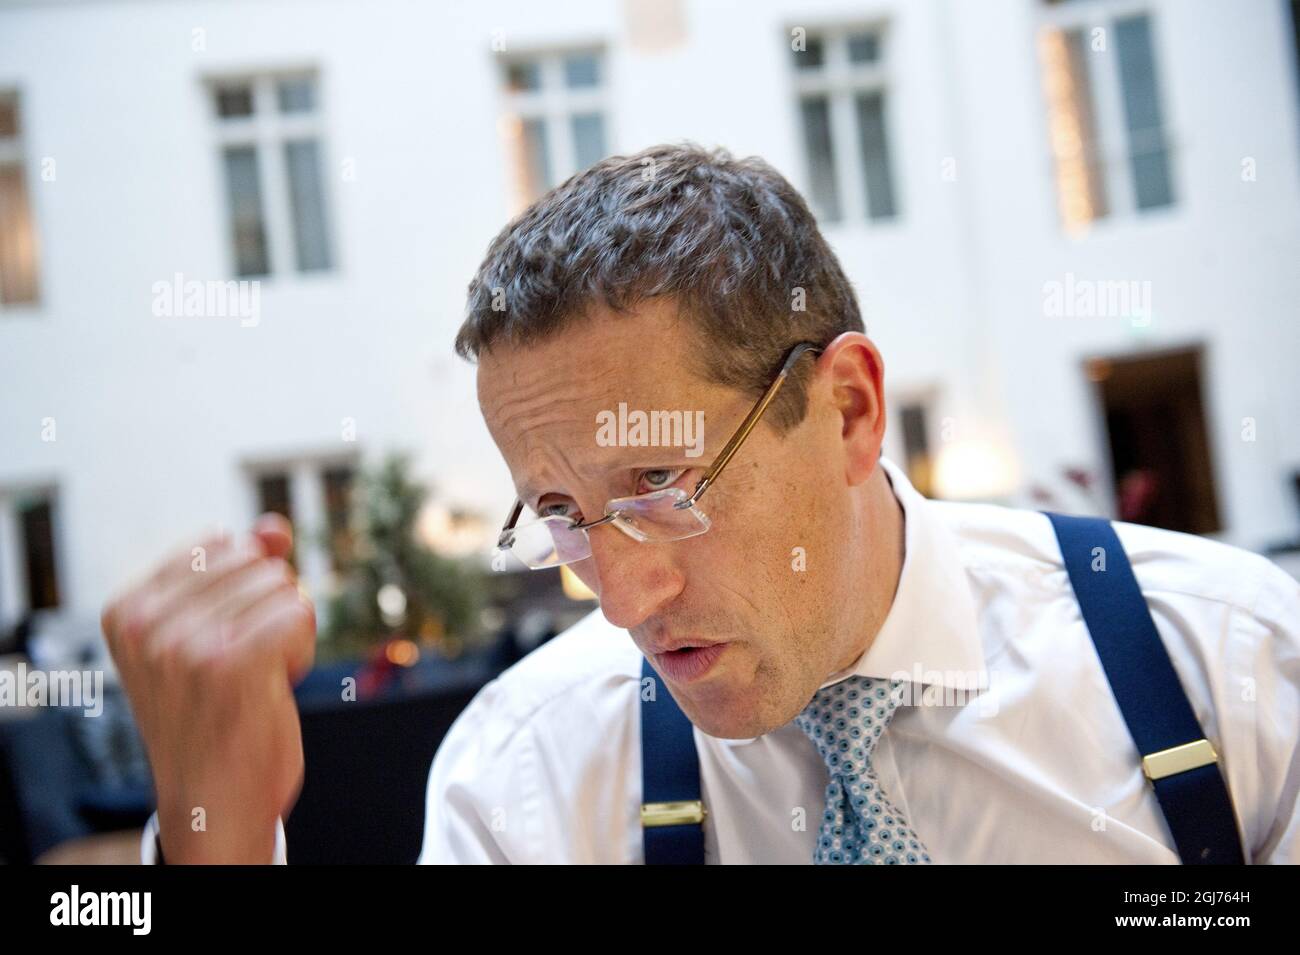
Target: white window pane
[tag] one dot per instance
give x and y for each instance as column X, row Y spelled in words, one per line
column 522, row 77
column 872, row 144
column 581, row 70
column 1080, row 174
column 1148, row 152
column 815, row 115
column 536, row 157
column 248, row 225
column 307, row 202
column 233, row 102
column 17, row 238
column 8, row 115
column 588, row 139
column 864, row 47
column 812, row 56
column 296, row 94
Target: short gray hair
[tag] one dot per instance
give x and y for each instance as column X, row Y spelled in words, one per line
column 730, row 240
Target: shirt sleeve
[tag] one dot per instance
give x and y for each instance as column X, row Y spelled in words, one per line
column 1277, row 701
column 149, row 843
column 481, row 795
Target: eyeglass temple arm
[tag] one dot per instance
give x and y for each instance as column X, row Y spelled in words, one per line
column 508, row 527
column 751, row 420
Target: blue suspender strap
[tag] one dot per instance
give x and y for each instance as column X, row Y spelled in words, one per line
column 1180, row 763
column 672, row 813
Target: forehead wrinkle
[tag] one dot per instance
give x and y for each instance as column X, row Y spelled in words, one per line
column 550, row 388
column 550, row 407
column 605, row 461
column 594, row 469
column 515, row 417
column 543, row 391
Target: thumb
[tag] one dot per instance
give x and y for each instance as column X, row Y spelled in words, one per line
column 275, row 534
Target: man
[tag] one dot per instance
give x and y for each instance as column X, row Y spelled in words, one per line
column 871, row 676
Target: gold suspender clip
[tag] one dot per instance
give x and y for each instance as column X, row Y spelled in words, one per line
column 672, row 813
column 1178, row 759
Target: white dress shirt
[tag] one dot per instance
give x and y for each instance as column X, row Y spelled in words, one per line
column 1037, row 767
column 1034, row 765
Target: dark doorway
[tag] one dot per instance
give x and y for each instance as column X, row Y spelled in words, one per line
column 1159, row 445
column 36, row 518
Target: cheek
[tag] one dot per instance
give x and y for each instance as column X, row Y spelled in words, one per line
column 585, row 570
column 746, row 553
column 759, row 511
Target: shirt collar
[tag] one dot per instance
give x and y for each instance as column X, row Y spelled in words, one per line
column 929, row 635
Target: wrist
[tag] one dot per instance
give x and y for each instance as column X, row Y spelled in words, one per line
column 240, row 841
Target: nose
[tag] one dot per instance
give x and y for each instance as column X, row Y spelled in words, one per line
column 634, row 580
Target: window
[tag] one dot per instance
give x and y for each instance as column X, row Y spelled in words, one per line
column 555, row 123
column 29, row 560
column 339, row 482
column 269, row 136
column 909, row 435
column 17, row 231
column 916, row 446
column 273, row 497
column 36, row 523
column 1109, row 143
column 316, row 496
column 843, row 112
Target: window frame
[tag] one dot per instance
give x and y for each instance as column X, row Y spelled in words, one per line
column 268, row 131
column 556, row 105
column 1106, row 100
column 13, row 152
column 842, row 82
column 308, row 500
column 15, row 585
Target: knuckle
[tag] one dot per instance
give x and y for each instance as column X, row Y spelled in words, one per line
column 135, row 621
column 177, row 645
column 280, row 572
column 166, row 653
column 300, row 614
column 191, row 660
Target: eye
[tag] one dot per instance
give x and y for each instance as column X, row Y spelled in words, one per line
column 556, row 509
column 657, row 479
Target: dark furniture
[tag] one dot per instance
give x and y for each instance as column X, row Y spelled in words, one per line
column 367, row 766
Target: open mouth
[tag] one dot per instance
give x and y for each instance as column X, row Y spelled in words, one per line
column 689, row 663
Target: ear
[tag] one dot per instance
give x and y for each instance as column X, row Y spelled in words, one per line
column 856, row 376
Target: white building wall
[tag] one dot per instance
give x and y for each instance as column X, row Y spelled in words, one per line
column 157, row 417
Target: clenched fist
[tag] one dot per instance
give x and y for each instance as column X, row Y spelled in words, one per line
column 209, row 647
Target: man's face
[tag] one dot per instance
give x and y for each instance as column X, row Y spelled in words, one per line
column 780, row 576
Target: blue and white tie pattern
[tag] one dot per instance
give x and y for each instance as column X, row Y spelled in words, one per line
column 860, row 826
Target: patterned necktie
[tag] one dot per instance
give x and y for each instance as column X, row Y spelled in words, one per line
column 860, row 825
